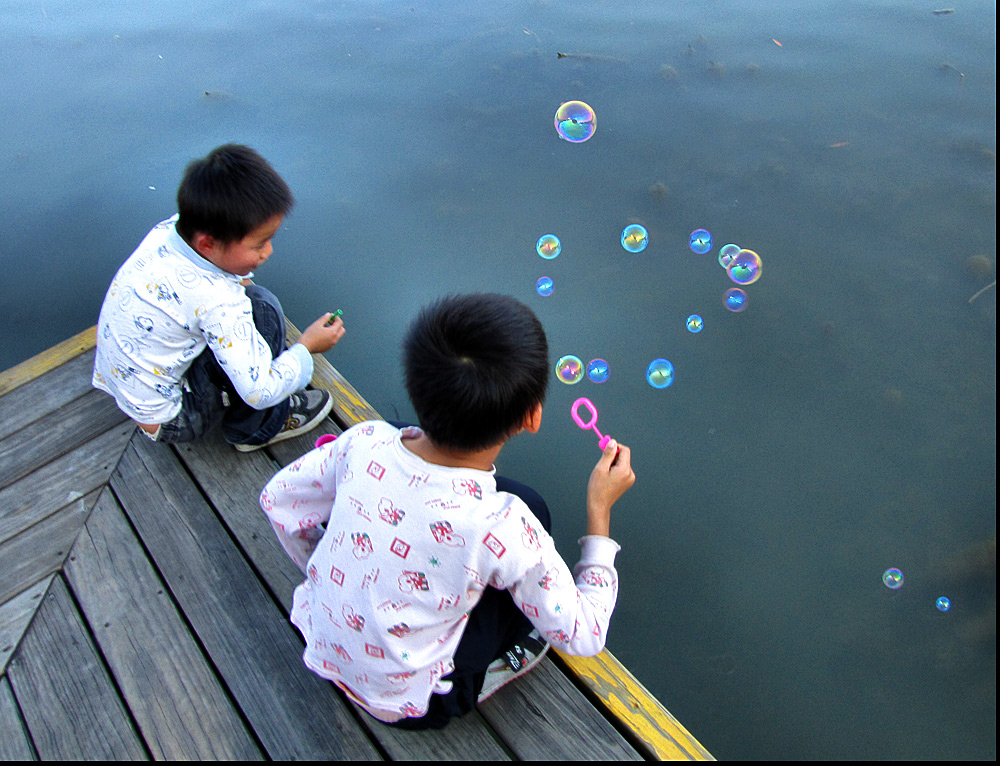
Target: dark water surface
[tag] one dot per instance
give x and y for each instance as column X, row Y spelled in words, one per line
column 843, row 424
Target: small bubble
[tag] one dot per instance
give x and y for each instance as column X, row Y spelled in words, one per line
column 660, row 373
column 569, row 369
column 943, row 603
column 635, row 238
column 735, row 299
column 701, row 241
column 575, row 121
column 597, row 370
column 892, row 578
column 695, row 323
column 544, row 286
column 548, row 246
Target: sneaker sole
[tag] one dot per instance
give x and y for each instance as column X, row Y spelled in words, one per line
column 303, row 429
column 483, row 696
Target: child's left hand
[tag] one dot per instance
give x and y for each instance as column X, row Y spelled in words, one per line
column 318, row 338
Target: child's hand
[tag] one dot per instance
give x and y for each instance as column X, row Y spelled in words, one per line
column 609, row 480
column 318, row 338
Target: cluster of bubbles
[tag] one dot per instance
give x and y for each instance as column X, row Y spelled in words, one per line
column 893, row 579
column 575, row 121
column 570, row 370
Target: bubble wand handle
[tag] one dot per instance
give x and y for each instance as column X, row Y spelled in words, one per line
column 591, row 423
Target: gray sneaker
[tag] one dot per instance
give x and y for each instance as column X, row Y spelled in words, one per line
column 514, row 663
column 308, row 409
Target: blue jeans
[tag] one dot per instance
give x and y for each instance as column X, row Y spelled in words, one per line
column 207, row 389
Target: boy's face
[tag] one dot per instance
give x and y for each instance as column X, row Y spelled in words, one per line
column 242, row 256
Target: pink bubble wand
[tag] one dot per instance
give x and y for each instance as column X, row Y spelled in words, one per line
column 590, row 424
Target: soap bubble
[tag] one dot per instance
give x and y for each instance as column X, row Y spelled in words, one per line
column 701, row 241
column 695, row 323
column 943, row 604
column 544, row 286
column 569, row 369
column 660, row 373
column 597, row 370
column 726, row 255
column 893, row 578
column 735, row 299
column 745, row 267
column 635, row 238
column 575, row 121
column 548, row 246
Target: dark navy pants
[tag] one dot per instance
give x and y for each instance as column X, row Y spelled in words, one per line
column 203, row 403
column 495, row 625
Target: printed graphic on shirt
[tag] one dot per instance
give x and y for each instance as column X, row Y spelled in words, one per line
column 530, row 536
column 468, row 487
column 359, row 507
column 411, row 581
column 336, row 576
column 342, row 653
column 595, row 577
column 363, row 547
column 354, row 620
column 443, row 534
column 374, row 651
column 375, row 470
column 549, row 579
column 389, row 513
column 400, row 629
column 495, row 546
column 370, row 578
column 400, row 548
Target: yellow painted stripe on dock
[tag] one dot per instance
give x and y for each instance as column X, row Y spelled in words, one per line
column 41, row 363
column 632, row 704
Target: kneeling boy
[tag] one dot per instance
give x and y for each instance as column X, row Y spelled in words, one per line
column 184, row 340
column 434, row 580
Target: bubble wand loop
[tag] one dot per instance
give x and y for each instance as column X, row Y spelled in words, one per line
column 591, row 424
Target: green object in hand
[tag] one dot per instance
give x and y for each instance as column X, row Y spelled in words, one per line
column 333, row 317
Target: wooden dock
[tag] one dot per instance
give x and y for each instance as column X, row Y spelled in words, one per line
column 144, row 608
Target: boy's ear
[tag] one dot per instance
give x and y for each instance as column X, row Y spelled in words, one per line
column 533, row 420
column 205, row 245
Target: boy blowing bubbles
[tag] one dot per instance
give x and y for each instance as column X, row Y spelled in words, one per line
column 184, row 340
column 434, row 581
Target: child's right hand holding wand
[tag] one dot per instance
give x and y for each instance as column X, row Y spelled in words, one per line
column 609, row 480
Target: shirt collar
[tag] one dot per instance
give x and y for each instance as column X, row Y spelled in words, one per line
column 176, row 241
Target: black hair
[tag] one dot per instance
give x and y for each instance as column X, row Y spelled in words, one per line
column 476, row 366
column 229, row 193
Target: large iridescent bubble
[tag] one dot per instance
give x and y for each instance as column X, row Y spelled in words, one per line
column 892, row 578
column 575, row 122
column 569, row 369
column 660, row 373
column 635, row 238
column 548, row 246
column 745, row 268
column 735, row 299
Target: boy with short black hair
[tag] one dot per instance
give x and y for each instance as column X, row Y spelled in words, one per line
column 435, row 581
column 185, row 340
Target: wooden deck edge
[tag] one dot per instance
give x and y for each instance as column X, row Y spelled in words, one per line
column 47, row 360
column 652, row 726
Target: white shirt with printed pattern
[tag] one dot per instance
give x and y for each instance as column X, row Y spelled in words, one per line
column 407, row 550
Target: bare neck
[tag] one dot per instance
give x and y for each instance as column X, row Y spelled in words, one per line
column 423, row 447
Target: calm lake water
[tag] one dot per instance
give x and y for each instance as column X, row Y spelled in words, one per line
column 844, row 423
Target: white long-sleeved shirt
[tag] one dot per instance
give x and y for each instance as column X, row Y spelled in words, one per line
column 167, row 304
column 408, row 548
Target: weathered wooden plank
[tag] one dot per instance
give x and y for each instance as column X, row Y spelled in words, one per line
column 69, row 703
column 47, row 360
column 173, row 694
column 14, row 742
column 45, row 394
column 291, row 449
column 15, row 615
column 626, row 699
column 232, row 481
column 294, row 714
column 349, row 407
column 56, row 434
column 64, row 480
column 542, row 716
column 41, row 549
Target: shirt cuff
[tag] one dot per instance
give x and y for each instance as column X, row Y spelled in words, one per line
column 598, row 549
column 305, row 360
